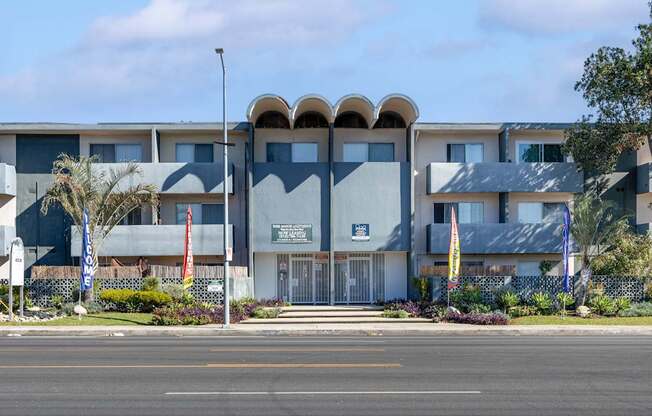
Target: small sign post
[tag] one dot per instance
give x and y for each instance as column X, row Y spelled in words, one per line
column 16, row 274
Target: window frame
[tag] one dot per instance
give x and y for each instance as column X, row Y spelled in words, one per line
column 449, row 151
column 194, row 152
column 368, row 152
column 541, row 150
column 457, row 211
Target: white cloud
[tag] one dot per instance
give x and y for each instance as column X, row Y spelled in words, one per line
column 546, row 17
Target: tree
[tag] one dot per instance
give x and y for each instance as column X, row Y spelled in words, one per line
column 592, row 226
column 629, row 254
column 77, row 186
column 617, row 87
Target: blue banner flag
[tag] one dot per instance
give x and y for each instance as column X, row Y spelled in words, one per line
column 565, row 246
column 87, row 260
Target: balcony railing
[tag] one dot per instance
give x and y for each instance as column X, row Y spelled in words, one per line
column 158, row 240
column 179, row 178
column 499, row 238
column 503, row 177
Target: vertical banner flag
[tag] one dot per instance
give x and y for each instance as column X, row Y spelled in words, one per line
column 188, row 267
column 87, row 259
column 454, row 254
column 565, row 246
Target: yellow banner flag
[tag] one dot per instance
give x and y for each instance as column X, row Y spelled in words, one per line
column 454, row 254
column 188, row 266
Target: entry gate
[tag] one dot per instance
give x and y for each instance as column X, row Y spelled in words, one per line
column 302, row 278
column 359, row 278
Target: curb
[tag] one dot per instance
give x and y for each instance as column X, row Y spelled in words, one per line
column 216, row 331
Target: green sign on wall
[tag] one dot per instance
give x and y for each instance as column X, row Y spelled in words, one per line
column 291, row 233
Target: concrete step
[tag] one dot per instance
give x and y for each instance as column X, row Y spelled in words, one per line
column 329, row 314
column 334, row 320
column 328, row 308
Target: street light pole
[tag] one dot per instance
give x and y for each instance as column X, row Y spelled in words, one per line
column 225, row 147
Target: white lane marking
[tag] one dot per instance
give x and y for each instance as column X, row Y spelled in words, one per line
column 314, row 393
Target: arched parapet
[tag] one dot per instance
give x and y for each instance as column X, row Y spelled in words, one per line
column 399, row 104
column 311, row 103
column 356, row 103
column 267, row 103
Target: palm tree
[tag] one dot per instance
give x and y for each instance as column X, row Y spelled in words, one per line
column 593, row 223
column 77, row 186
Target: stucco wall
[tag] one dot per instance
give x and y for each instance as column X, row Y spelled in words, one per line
column 169, row 140
column 396, row 281
column 8, row 149
column 505, row 260
column 516, row 197
column 396, row 136
column 265, row 277
column 431, row 146
column 643, row 210
column 143, row 139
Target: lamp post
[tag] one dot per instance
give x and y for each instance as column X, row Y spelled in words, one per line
column 225, row 145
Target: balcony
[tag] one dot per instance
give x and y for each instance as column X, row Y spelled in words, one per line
column 374, row 193
column 7, row 179
column 503, row 177
column 498, row 238
column 179, row 178
column 290, row 193
column 158, row 240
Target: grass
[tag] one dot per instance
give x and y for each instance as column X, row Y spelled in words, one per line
column 574, row 320
column 398, row 314
column 104, row 318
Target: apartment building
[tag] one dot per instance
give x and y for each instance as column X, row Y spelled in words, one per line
column 328, row 203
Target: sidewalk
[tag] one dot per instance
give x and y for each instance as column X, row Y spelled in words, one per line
column 362, row 329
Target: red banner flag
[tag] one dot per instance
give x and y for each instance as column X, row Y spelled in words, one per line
column 188, row 266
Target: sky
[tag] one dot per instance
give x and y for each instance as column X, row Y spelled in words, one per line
column 153, row 60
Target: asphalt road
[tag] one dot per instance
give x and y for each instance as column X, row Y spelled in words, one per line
column 326, row 376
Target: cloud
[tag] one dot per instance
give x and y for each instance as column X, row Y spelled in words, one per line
column 549, row 17
column 163, row 51
column 455, row 48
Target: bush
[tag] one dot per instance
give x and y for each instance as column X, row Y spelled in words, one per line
column 433, row 311
column 542, row 302
column 622, row 303
column 494, row 318
column 397, row 314
column 565, row 300
column 128, row 300
column 423, row 287
column 602, row 305
column 152, row 283
column 57, row 301
column 412, row 308
column 265, row 313
column 523, row 310
column 648, row 292
column 637, row 309
column 466, row 298
column 507, row 299
column 4, row 297
column 193, row 315
column 174, row 290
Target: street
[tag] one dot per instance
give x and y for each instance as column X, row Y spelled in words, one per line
column 326, row 375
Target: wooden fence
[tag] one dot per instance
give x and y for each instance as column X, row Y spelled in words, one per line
column 66, row 272
column 494, row 270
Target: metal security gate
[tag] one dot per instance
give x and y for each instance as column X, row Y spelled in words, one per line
column 302, row 278
column 359, row 278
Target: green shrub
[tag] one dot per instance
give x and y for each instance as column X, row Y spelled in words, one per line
column 174, row 290
column 602, row 305
column 423, row 287
column 648, row 291
column 152, row 283
column 266, row 313
column 396, row 314
column 466, row 297
column 479, row 308
column 57, row 301
column 128, row 300
column 637, row 309
column 506, row 300
column 622, row 303
column 542, row 302
column 565, row 300
column 523, row 310
column 4, row 297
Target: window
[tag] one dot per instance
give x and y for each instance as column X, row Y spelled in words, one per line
column 112, row 153
column 133, row 218
column 368, row 152
column 465, row 153
column 528, row 268
column 194, row 152
column 540, row 152
column 272, row 120
column 466, row 212
column 390, row 120
column 351, row 120
column 293, row 152
column 539, row 212
column 201, row 213
column 128, row 153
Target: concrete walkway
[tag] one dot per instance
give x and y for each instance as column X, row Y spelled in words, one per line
column 359, row 329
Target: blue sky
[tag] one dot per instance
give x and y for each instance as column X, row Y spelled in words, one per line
column 152, row 60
